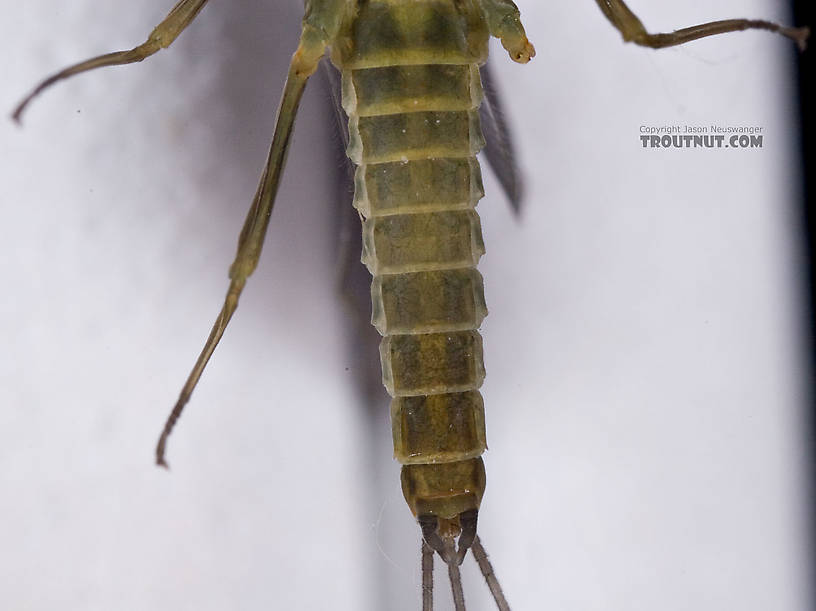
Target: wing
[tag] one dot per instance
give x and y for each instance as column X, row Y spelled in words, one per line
column 332, row 82
column 499, row 150
column 353, row 279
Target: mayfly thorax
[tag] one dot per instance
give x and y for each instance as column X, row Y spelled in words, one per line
column 411, row 88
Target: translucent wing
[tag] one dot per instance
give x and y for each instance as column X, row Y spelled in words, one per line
column 331, row 78
column 499, row 150
column 353, row 279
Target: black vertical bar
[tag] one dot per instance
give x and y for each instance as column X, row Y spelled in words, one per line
column 804, row 15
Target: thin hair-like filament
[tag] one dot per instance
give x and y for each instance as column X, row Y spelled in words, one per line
column 486, row 568
column 427, row 576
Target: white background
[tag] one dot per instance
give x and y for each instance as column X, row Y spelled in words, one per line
column 645, row 391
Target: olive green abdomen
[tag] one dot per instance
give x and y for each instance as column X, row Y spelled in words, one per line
column 411, row 89
column 395, row 32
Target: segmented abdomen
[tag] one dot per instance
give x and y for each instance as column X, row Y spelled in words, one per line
column 411, row 89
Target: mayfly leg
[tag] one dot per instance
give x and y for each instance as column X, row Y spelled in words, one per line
column 633, row 30
column 161, row 37
column 253, row 232
column 313, row 41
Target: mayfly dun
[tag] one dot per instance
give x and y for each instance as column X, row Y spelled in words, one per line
column 412, row 72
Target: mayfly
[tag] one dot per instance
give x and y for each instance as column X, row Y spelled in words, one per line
column 411, row 89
